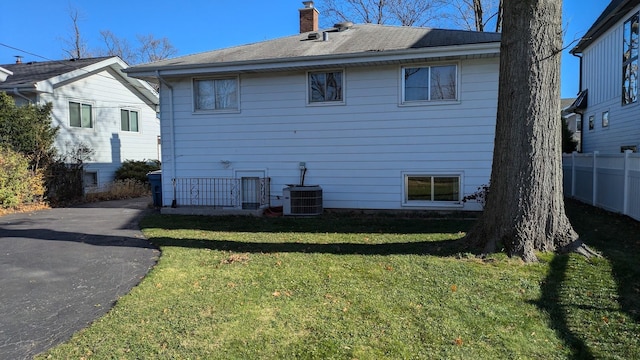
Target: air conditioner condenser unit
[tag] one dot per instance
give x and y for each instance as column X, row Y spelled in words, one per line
column 302, row 200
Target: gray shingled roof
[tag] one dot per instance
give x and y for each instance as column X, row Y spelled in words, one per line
column 359, row 39
column 32, row 72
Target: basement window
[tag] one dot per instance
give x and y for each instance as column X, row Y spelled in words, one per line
column 90, row 180
column 431, row 189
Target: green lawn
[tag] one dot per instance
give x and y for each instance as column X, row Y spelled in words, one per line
column 369, row 287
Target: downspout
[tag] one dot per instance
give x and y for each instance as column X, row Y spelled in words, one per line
column 173, row 133
column 580, row 89
column 18, row 93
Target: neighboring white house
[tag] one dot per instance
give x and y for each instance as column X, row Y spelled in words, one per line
column 380, row 117
column 609, row 73
column 94, row 103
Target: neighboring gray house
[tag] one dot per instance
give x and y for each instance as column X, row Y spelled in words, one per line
column 608, row 101
column 380, row 117
column 94, row 103
column 573, row 120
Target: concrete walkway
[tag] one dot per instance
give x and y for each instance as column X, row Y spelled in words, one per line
column 61, row 269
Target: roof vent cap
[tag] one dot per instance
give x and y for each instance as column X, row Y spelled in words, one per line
column 341, row 26
column 313, row 36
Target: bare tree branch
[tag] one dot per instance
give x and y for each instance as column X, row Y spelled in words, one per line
column 467, row 14
column 115, row 46
column 414, row 12
column 152, row 49
column 75, row 45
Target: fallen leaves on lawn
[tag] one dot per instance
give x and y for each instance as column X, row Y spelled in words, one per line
column 286, row 293
column 236, row 258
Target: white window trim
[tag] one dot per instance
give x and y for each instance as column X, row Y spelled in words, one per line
column 128, row 108
column 214, row 111
column 402, row 102
column 93, row 114
column 432, row 204
column 327, row 103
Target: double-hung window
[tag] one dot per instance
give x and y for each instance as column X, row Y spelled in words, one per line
column 630, row 61
column 424, row 189
column 326, row 87
column 128, row 120
column 429, row 83
column 80, row 115
column 219, row 94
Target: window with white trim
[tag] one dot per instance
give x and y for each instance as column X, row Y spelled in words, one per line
column 80, row 115
column 129, row 120
column 326, row 86
column 220, row 94
column 429, row 83
column 427, row 188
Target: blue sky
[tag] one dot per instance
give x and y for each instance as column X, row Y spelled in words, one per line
column 39, row 27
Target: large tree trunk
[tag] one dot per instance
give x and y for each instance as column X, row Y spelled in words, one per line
column 525, row 210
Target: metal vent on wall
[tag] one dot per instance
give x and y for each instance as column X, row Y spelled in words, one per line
column 302, row 200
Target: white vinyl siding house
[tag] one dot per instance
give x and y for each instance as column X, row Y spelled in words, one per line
column 90, row 98
column 609, row 71
column 374, row 151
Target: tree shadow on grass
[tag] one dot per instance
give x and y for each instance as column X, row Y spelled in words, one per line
column 617, row 238
column 328, row 223
column 550, row 302
column 435, row 248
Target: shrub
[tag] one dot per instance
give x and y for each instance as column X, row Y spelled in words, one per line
column 120, row 189
column 137, row 170
column 27, row 130
column 18, row 184
column 480, row 195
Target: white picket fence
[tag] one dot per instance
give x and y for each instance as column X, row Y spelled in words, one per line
column 608, row 181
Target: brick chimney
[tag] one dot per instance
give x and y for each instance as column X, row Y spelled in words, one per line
column 308, row 17
column 18, row 59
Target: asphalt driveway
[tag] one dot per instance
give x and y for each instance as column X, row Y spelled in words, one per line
column 60, row 269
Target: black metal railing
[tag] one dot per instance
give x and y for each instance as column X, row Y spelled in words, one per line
column 240, row 193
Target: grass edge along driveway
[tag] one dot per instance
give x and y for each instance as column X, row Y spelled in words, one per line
column 369, row 287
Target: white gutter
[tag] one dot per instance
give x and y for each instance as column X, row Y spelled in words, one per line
column 360, row 58
column 173, row 134
column 4, row 74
